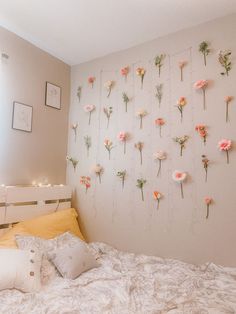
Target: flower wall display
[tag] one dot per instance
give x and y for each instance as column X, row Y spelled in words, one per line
column 175, row 124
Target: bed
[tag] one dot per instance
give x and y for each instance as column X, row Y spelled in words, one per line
column 129, row 283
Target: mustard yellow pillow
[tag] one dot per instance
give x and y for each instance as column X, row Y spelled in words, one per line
column 8, row 239
column 50, row 226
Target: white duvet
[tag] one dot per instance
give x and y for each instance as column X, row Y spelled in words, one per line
column 128, row 283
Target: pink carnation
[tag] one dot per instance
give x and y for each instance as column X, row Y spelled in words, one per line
column 224, row 145
column 208, row 200
column 122, row 136
column 200, row 84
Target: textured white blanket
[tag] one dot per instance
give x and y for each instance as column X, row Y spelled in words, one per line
column 127, row 283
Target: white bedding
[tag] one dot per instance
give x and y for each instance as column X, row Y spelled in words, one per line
column 127, row 283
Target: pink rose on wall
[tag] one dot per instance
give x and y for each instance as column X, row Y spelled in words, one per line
column 202, row 85
column 225, row 145
column 89, row 109
column 179, row 177
column 208, row 201
column 159, row 122
column 91, row 80
column 202, row 131
column 86, row 182
column 123, row 137
column 124, row 72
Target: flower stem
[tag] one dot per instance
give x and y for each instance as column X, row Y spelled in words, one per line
column 227, row 155
column 109, row 152
column 204, row 99
column 182, row 190
column 205, row 174
column 89, row 117
column 227, row 111
column 108, row 120
column 181, row 115
column 159, row 70
column 181, row 74
column 160, row 130
column 141, row 157
column 126, row 107
column 181, row 150
column 87, row 152
column 142, row 78
column 142, row 194
column 141, row 122
column 207, row 215
column 123, row 182
column 99, row 176
column 125, row 147
column 158, row 201
column 159, row 168
column 204, row 59
column 109, row 92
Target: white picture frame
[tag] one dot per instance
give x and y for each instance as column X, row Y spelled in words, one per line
column 53, row 96
column 22, row 117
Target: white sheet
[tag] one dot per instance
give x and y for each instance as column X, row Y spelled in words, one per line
column 128, row 283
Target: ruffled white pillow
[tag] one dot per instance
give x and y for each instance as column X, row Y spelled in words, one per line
column 20, row 269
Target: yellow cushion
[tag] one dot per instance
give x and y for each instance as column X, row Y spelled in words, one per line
column 8, row 239
column 50, row 226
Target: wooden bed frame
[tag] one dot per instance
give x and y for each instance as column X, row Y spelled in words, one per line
column 22, row 203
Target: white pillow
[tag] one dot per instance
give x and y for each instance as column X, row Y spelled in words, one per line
column 73, row 261
column 20, row 270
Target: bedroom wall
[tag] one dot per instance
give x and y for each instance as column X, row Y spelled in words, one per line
column 38, row 156
column 179, row 228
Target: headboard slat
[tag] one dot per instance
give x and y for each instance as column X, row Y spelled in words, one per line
column 22, row 203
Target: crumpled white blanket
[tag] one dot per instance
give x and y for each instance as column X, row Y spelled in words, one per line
column 127, row 283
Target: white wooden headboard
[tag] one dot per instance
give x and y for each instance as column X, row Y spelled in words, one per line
column 21, row 203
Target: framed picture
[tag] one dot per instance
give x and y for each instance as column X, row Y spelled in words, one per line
column 53, row 96
column 22, row 117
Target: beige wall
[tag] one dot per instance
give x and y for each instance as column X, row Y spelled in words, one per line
column 40, row 155
column 179, row 228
